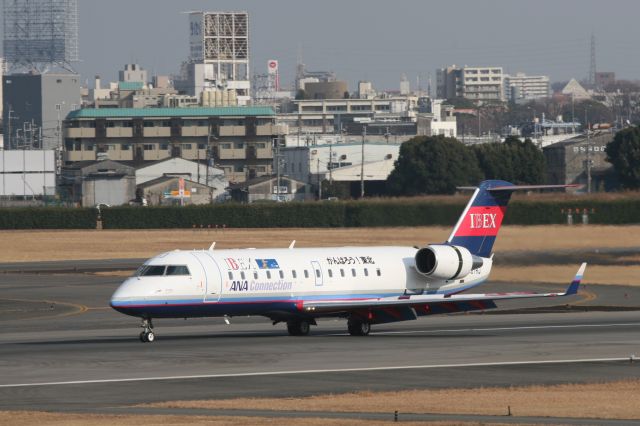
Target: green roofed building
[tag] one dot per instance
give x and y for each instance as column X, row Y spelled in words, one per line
column 237, row 139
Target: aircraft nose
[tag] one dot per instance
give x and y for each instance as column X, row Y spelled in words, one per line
column 122, row 292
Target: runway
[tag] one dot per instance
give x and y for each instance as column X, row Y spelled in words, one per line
column 62, row 348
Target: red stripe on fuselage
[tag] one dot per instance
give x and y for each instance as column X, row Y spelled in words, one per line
column 481, row 221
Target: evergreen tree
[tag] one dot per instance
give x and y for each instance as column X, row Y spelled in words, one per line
column 624, row 153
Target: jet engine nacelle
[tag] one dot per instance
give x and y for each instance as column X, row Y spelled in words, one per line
column 445, row 262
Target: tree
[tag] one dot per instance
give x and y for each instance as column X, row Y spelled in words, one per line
column 624, row 153
column 433, row 165
column 514, row 161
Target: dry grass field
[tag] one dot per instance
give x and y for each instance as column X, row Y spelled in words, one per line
column 25, row 246
column 27, row 418
column 616, row 400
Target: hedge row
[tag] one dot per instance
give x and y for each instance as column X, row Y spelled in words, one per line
column 315, row 214
column 360, row 214
column 47, row 218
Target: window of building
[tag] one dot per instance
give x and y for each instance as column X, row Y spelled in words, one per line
column 225, row 145
column 202, row 146
column 125, row 147
column 186, row 146
column 238, row 168
column 239, row 145
column 148, row 124
column 261, row 145
column 89, row 147
column 148, row 146
column 164, row 146
column 262, row 169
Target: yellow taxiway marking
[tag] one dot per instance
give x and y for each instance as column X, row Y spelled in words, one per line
column 79, row 309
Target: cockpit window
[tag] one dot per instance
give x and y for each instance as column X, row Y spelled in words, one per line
column 160, row 270
column 152, row 270
column 177, row 270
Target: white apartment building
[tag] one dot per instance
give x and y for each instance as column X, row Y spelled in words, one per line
column 480, row 84
column 522, row 87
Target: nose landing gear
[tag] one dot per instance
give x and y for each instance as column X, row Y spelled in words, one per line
column 147, row 334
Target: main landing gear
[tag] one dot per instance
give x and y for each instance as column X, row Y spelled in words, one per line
column 298, row 327
column 358, row 326
column 147, row 334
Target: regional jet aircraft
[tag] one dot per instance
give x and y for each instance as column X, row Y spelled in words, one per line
column 365, row 285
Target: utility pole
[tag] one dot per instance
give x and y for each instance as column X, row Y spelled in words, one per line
column 588, row 154
column 319, row 182
column 330, row 166
column 278, row 167
column 364, row 134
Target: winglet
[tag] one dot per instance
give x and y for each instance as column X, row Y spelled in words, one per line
column 575, row 284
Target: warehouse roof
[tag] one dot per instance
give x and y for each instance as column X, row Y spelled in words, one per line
column 169, row 112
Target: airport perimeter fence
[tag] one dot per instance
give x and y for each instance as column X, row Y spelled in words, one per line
column 47, row 218
column 362, row 214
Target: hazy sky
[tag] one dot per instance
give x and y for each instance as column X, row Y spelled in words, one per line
column 374, row 39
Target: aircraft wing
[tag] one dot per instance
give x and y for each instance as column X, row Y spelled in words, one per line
column 325, row 306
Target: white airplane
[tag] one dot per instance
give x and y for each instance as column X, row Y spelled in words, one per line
column 366, row 285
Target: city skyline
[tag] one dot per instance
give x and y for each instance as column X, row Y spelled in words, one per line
column 371, row 40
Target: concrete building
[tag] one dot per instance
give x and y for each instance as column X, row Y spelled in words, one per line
column 566, row 162
column 3, row 71
column 266, row 188
column 605, row 79
column 326, row 90
column 133, row 73
column 522, row 87
column 365, row 90
column 238, row 139
column 103, row 182
column 323, row 116
column 405, row 86
column 478, row 84
column 38, row 103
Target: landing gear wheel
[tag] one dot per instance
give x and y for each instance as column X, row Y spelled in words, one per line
column 358, row 327
column 298, row 328
column 147, row 334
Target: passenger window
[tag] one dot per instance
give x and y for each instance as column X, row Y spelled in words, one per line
column 177, row 270
column 342, row 272
column 366, row 272
column 230, row 275
column 269, row 274
column 255, row 275
column 378, row 272
column 306, row 273
column 153, row 271
column 330, row 273
column 242, row 275
column 281, row 274
column 294, row 274
column 318, row 273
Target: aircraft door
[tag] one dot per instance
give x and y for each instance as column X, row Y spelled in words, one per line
column 317, row 272
column 211, row 276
